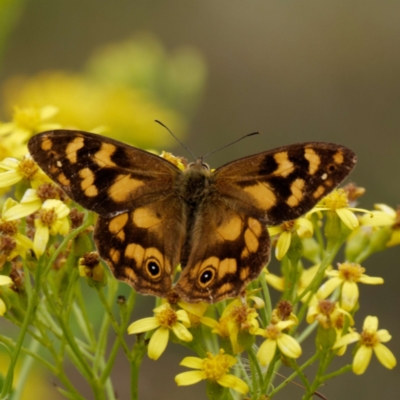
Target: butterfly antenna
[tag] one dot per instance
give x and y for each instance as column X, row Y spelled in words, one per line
column 229, row 144
column 169, row 130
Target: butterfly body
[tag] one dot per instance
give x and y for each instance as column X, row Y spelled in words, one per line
column 154, row 216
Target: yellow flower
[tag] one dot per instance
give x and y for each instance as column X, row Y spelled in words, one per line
column 16, row 171
column 306, row 277
column 237, row 318
column 195, row 311
column 275, row 338
column 347, row 276
column 52, row 220
column 165, row 319
column 301, row 226
column 385, row 216
column 370, row 339
column 328, row 314
column 215, row 368
column 26, row 122
column 337, row 202
column 12, row 242
column 283, row 312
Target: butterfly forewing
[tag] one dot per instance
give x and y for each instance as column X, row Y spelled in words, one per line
column 100, row 173
column 282, row 184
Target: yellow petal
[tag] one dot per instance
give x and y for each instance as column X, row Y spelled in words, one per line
column 371, row 280
column 192, row 362
column 349, row 296
column 362, row 359
column 385, row 356
column 3, row 307
column 266, row 351
column 383, row 335
column 5, row 280
column 143, row 325
column 371, row 324
column 158, row 343
column 276, row 282
column 328, row 287
column 183, row 317
column 348, row 218
column 289, row 346
column 377, row 218
column 233, row 382
column 347, row 339
column 181, row 332
column 9, row 178
column 189, row 378
column 40, row 240
column 22, row 210
column 283, row 245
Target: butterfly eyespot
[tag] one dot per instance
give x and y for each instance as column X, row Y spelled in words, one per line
column 153, row 269
column 206, row 277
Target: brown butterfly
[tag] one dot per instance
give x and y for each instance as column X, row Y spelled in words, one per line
column 153, row 216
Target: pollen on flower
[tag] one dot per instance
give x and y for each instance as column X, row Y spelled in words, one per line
column 215, row 367
column 288, row 225
column 47, row 217
column 283, row 310
column 8, row 227
column 272, row 332
column 369, row 338
column 48, row 191
column 7, row 244
column 351, row 271
column 28, row 168
column 336, row 200
column 167, row 317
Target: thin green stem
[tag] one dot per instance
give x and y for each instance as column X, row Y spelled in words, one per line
column 292, row 376
column 138, row 352
column 32, row 303
column 113, row 322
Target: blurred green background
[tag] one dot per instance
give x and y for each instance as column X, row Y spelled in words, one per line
column 294, row 70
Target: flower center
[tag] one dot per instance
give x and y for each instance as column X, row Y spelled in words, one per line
column 7, row 244
column 48, row 217
column 337, row 199
column 288, row 226
column 351, row 271
column 8, row 227
column 28, row 168
column 272, row 332
column 167, row 317
column 215, row 367
column 369, row 339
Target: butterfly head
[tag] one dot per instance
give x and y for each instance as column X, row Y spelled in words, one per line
column 199, row 165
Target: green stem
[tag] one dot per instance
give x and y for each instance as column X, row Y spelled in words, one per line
column 292, row 376
column 113, row 322
column 138, row 352
column 340, row 371
column 32, row 303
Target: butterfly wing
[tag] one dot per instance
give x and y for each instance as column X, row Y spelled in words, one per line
column 141, row 224
column 229, row 249
column 283, row 184
column 230, row 243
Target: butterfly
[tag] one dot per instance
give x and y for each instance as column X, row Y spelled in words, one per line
column 154, row 216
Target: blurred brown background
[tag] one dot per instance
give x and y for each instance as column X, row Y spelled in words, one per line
column 296, row 71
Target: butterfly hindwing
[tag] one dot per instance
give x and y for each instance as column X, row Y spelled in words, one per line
column 142, row 247
column 229, row 249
